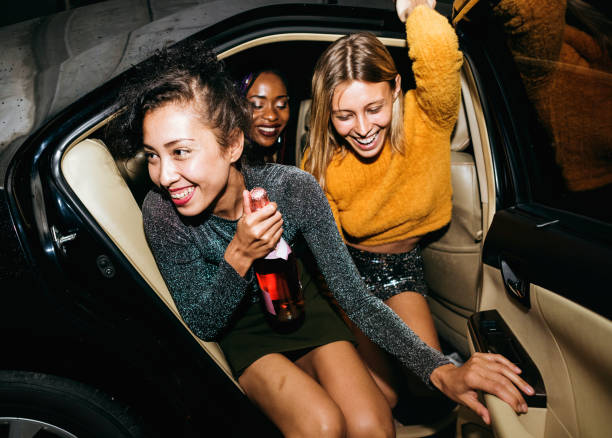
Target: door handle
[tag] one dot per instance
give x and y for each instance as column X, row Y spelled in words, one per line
column 60, row 240
column 515, row 281
column 515, row 287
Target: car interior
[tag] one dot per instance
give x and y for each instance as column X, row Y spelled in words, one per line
column 560, row 338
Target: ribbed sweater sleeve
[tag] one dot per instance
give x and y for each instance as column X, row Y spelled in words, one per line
column 434, row 51
column 535, row 29
column 334, row 209
column 206, row 290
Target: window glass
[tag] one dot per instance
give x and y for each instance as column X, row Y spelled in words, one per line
column 562, row 50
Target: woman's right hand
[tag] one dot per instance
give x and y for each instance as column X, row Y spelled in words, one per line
column 492, row 373
column 257, row 233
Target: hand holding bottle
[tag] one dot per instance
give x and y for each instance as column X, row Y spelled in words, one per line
column 257, row 233
column 277, row 275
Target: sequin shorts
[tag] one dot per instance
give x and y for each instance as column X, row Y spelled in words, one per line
column 386, row 275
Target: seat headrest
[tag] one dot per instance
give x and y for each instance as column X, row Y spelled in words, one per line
column 303, row 127
column 135, row 173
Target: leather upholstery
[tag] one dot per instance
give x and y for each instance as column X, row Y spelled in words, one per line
column 93, row 175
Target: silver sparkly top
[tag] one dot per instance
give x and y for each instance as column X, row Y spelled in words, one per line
column 207, row 290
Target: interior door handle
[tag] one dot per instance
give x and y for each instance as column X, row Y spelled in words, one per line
column 60, row 239
column 515, row 287
column 515, row 281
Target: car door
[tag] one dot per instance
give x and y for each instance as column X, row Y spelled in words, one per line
column 546, row 257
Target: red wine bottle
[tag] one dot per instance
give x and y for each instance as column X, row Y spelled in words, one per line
column 277, row 275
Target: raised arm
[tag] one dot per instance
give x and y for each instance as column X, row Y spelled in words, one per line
column 434, row 51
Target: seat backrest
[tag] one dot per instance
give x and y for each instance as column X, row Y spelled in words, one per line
column 453, row 261
column 93, row 175
column 303, row 129
column 134, row 172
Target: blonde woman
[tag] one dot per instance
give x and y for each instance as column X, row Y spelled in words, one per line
column 383, row 160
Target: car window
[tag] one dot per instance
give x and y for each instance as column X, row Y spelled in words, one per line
column 563, row 56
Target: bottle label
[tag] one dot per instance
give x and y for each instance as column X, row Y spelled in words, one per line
column 281, row 251
column 269, row 283
column 267, row 299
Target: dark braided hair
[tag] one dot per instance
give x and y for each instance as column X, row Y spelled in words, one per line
column 253, row 153
column 188, row 74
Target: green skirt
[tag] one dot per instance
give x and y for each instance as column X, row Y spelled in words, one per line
column 252, row 336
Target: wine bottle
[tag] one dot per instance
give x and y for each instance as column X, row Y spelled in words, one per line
column 277, row 275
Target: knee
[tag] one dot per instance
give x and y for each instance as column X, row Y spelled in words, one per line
column 390, row 395
column 323, row 423
column 371, row 425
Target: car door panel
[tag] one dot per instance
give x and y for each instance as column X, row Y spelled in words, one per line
column 509, row 425
column 567, row 341
column 582, row 337
column 491, row 334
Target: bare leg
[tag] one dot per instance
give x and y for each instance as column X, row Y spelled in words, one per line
column 292, row 399
column 379, row 366
column 328, row 394
column 413, row 309
column 341, row 372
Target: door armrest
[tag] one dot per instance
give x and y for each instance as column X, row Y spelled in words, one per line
column 490, row 334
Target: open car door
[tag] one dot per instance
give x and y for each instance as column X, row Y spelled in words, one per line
column 546, row 277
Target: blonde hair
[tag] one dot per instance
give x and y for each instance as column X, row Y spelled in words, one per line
column 355, row 57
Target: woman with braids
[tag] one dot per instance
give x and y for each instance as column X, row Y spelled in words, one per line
column 266, row 90
column 188, row 116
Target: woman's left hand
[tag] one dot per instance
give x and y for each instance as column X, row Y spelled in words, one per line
column 492, row 373
column 405, row 7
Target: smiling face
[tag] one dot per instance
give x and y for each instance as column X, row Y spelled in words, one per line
column 268, row 95
column 362, row 112
column 185, row 159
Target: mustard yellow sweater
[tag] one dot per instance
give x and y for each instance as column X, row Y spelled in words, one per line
column 568, row 78
column 405, row 195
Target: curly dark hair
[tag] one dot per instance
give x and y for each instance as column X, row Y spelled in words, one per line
column 188, row 74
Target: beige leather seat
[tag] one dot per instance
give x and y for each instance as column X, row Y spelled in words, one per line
column 452, row 263
column 303, row 129
column 93, row 175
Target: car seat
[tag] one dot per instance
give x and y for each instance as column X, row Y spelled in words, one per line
column 94, row 176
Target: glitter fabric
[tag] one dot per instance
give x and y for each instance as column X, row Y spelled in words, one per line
column 208, row 291
column 386, row 275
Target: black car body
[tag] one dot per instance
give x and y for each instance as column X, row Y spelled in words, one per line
column 82, row 322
